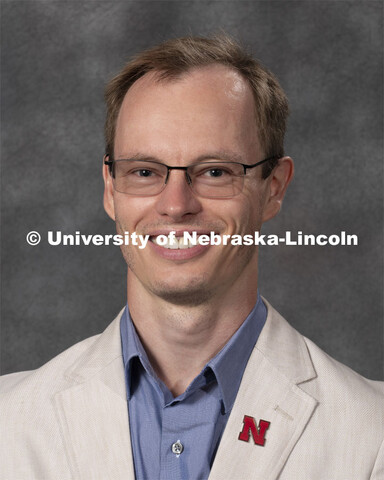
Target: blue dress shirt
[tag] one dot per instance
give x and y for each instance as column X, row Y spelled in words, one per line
column 177, row 438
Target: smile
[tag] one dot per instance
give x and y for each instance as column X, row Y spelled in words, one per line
column 173, row 243
column 176, row 248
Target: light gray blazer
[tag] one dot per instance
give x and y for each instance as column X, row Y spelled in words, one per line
column 69, row 419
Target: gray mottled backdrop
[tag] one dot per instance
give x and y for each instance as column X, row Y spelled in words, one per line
column 56, row 58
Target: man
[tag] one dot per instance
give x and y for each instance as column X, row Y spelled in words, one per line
column 198, row 377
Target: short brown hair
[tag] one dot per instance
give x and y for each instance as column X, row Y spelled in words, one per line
column 178, row 56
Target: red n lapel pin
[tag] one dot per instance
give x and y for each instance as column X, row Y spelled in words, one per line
column 257, row 431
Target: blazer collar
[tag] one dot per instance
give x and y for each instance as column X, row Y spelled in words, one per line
column 106, row 349
column 268, row 391
column 285, row 348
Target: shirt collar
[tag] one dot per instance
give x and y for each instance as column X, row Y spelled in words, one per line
column 132, row 348
column 227, row 366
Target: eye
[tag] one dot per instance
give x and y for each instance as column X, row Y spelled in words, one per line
column 139, row 172
column 143, row 172
column 216, row 172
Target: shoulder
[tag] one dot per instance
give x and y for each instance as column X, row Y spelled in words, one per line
column 346, row 425
column 314, row 371
column 48, row 377
column 73, row 365
column 30, row 403
column 341, row 381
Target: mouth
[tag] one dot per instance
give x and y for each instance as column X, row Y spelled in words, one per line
column 173, row 243
column 177, row 246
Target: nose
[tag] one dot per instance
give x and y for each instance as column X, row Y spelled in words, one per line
column 177, row 199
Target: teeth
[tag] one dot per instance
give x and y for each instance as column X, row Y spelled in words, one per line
column 184, row 243
column 177, row 243
column 173, row 243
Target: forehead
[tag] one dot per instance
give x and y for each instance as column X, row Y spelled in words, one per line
column 214, row 77
column 207, row 105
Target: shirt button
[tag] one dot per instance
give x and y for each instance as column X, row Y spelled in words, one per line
column 177, row 447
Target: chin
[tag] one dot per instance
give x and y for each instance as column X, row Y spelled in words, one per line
column 192, row 293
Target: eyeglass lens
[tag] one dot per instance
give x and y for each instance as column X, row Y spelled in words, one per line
column 207, row 179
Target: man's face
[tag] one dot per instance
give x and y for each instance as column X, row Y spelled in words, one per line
column 207, row 113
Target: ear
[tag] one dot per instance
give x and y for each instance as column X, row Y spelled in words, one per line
column 279, row 180
column 109, row 205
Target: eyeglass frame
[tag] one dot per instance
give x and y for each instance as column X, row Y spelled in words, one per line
column 110, row 163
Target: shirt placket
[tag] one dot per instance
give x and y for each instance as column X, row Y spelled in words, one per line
column 175, row 449
column 188, row 436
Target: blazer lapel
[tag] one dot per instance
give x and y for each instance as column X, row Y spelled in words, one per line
column 93, row 414
column 269, row 391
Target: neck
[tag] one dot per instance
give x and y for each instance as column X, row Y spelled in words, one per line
column 180, row 339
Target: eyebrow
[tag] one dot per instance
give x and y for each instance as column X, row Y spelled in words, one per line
column 218, row 155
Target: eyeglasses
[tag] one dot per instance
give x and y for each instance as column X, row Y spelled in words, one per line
column 211, row 179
